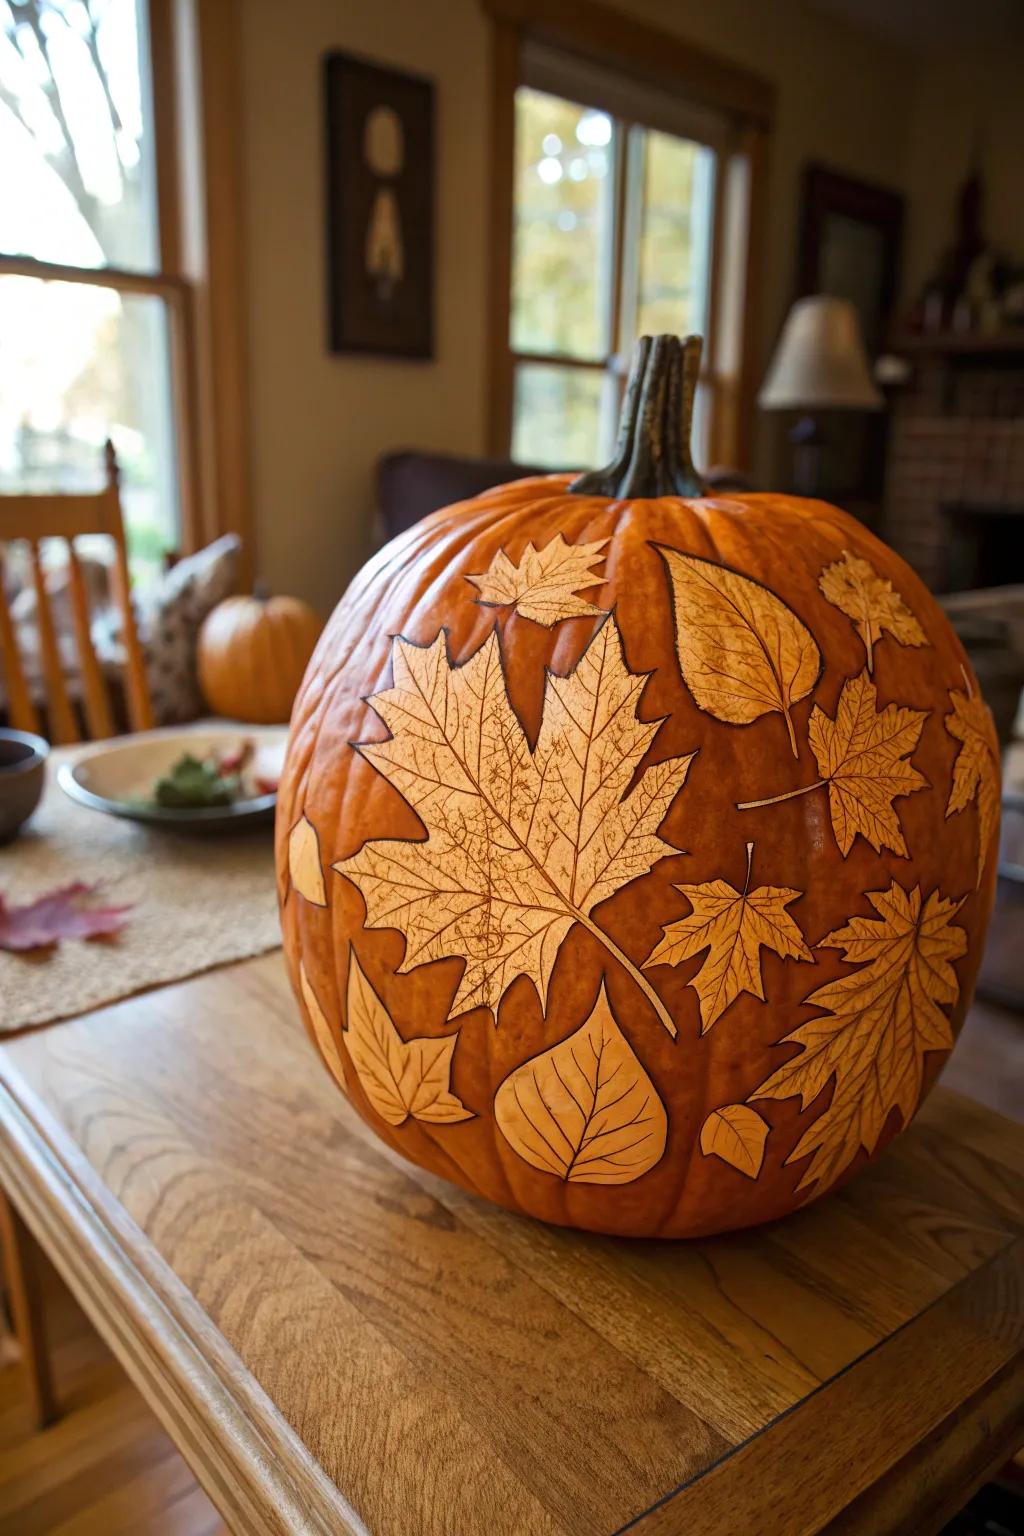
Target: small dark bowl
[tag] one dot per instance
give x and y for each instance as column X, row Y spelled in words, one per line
column 22, row 774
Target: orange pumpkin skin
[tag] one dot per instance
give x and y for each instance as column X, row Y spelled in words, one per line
column 252, row 654
column 417, row 588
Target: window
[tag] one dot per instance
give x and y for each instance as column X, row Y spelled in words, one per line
column 85, row 353
column 612, row 232
column 631, row 210
column 121, row 266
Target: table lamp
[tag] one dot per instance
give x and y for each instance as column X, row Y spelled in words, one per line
column 819, row 365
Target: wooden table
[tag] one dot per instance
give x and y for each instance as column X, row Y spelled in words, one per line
column 340, row 1343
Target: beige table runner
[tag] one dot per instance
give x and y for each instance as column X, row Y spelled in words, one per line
column 197, row 901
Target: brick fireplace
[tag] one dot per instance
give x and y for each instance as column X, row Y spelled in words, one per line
column 955, row 477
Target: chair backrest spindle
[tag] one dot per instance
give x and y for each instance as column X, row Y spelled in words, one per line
column 96, row 701
column 63, row 728
column 22, row 711
column 30, row 519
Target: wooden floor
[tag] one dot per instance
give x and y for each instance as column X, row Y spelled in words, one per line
column 106, row 1468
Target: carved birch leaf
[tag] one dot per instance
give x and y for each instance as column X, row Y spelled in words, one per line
column 322, row 1030
column 585, row 1111
column 877, row 1024
column 732, row 926
column 737, row 1134
column 519, row 845
column 861, row 755
column 399, row 1077
column 742, row 651
column 542, row 586
column 304, row 862
column 976, row 772
column 855, row 587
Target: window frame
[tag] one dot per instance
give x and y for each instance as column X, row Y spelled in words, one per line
column 593, row 32
column 193, row 51
column 627, row 205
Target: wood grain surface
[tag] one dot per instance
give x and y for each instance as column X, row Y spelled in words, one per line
column 104, row 1467
column 338, row 1341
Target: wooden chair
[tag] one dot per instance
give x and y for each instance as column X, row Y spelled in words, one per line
column 33, row 518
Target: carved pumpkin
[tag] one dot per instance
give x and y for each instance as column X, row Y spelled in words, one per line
column 252, row 654
column 635, row 847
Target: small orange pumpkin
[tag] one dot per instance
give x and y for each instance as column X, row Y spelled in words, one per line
column 252, row 654
column 636, row 847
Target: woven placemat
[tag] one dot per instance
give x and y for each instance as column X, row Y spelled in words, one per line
column 197, row 901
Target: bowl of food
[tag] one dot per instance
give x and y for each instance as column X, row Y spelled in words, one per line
column 22, row 775
column 203, row 780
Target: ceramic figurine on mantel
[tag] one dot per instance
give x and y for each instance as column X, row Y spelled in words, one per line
column 635, row 847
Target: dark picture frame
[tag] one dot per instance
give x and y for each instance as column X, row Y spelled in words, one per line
column 380, row 209
column 849, row 245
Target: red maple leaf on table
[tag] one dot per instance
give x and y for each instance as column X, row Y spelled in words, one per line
column 64, row 913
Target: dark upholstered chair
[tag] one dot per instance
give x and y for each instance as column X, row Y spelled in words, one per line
column 411, row 484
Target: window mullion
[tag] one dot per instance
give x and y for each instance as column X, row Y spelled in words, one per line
column 613, row 295
column 94, row 277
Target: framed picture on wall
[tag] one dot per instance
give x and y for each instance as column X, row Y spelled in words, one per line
column 850, row 237
column 380, row 209
column 849, row 247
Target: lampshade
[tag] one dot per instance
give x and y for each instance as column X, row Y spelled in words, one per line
column 820, row 362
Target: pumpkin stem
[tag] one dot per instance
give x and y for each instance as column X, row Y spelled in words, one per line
column 261, row 590
column 652, row 455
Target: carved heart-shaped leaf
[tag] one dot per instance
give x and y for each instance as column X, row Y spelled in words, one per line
column 304, row 862
column 742, row 651
column 737, row 1134
column 585, row 1110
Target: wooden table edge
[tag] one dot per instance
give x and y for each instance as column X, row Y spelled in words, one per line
column 983, row 1430
column 254, row 1467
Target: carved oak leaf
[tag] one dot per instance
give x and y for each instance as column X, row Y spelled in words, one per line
column 399, row 1077
column 737, row 1134
column 542, row 586
column 854, row 586
column 976, row 773
column 519, row 845
column 322, row 1030
column 861, row 755
column 304, row 862
column 585, row 1110
column 742, row 651
column 878, row 1023
column 732, row 926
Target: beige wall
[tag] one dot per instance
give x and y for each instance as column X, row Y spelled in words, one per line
column 318, row 423
column 963, row 98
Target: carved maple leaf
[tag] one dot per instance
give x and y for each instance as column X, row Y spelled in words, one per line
column 399, row 1077
column 879, row 1022
column 519, row 845
column 542, row 586
column 862, row 757
column 855, row 587
column 585, row 1110
column 976, row 774
column 732, row 926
